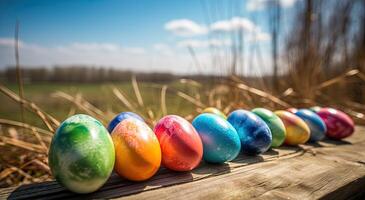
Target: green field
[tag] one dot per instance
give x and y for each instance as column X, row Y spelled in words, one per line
column 100, row 96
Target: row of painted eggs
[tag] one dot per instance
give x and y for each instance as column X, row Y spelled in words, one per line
column 82, row 153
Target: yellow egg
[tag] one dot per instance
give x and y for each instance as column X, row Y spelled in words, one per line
column 215, row 111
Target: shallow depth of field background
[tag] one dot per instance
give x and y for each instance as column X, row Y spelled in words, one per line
column 313, row 55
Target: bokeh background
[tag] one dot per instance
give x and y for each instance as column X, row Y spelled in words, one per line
column 59, row 58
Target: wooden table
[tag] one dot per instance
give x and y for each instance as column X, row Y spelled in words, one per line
column 327, row 170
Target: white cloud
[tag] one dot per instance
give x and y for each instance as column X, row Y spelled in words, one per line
column 234, row 24
column 185, row 27
column 256, row 5
column 9, row 42
column 260, row 37
column 204, row 43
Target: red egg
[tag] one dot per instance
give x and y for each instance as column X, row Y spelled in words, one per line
column 339, row 125
column 181, row 146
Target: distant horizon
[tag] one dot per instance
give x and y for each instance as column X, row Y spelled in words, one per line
column 121, row 69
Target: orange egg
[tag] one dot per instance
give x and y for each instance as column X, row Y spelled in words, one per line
column 137, row 150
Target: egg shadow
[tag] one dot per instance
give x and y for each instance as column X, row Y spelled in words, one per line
column 271, row 152
column 335, row 142
column 314, row 144
column 206, row 168
column 166, row 177
column 248, row 159
column 114, row 187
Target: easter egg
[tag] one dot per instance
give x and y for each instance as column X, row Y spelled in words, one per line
column 339, row 125
column 220, row 140
column 120, row 117
column 297, row 131
column 315, row 123
column 215, row 111
column 255, row 135
column 275, row 124
column 315, row 108
column 292, row 110
column 81, row 156
column 137, row 151
column 181, row 146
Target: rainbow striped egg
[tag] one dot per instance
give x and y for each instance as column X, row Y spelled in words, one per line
column 297, row 131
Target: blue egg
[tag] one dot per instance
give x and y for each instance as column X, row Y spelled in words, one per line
column 254, row 134
column 120, row 117
column 316, row 125
column 220, row 140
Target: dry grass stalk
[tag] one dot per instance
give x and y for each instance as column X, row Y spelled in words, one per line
column 47, row 119
column 190, row 82
column 6, row 172
column 288, row 92
column 82, row 104
column 122, row 98
column 163, row 100
column 263, row 94
column 136, row 91
column 8, row 122
column 191, row 99
column 337, row 79
column 14, row 134
column 151, row 117
column 18, row 70
column 25, row 145
column 73, row 107
column 37, row 162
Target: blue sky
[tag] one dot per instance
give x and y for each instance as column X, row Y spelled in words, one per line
column 136, row 34
column 53, row 22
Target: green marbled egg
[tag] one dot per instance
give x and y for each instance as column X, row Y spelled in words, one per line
column 81, row 155
column 275, row 124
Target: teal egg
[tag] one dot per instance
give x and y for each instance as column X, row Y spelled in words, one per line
column 221, row 142
column 81, row 155
column 275, row 124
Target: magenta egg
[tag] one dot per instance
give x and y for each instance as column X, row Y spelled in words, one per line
column 181, row 146
column 339, row 125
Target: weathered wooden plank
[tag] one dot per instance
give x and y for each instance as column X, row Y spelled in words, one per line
column 330, row 169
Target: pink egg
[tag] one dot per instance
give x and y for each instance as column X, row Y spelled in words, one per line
column 339, row 125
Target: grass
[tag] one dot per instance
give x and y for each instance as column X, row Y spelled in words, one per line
column 100, row 96
column 46, row 105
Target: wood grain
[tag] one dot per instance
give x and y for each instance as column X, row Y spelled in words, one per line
column 327, row 170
